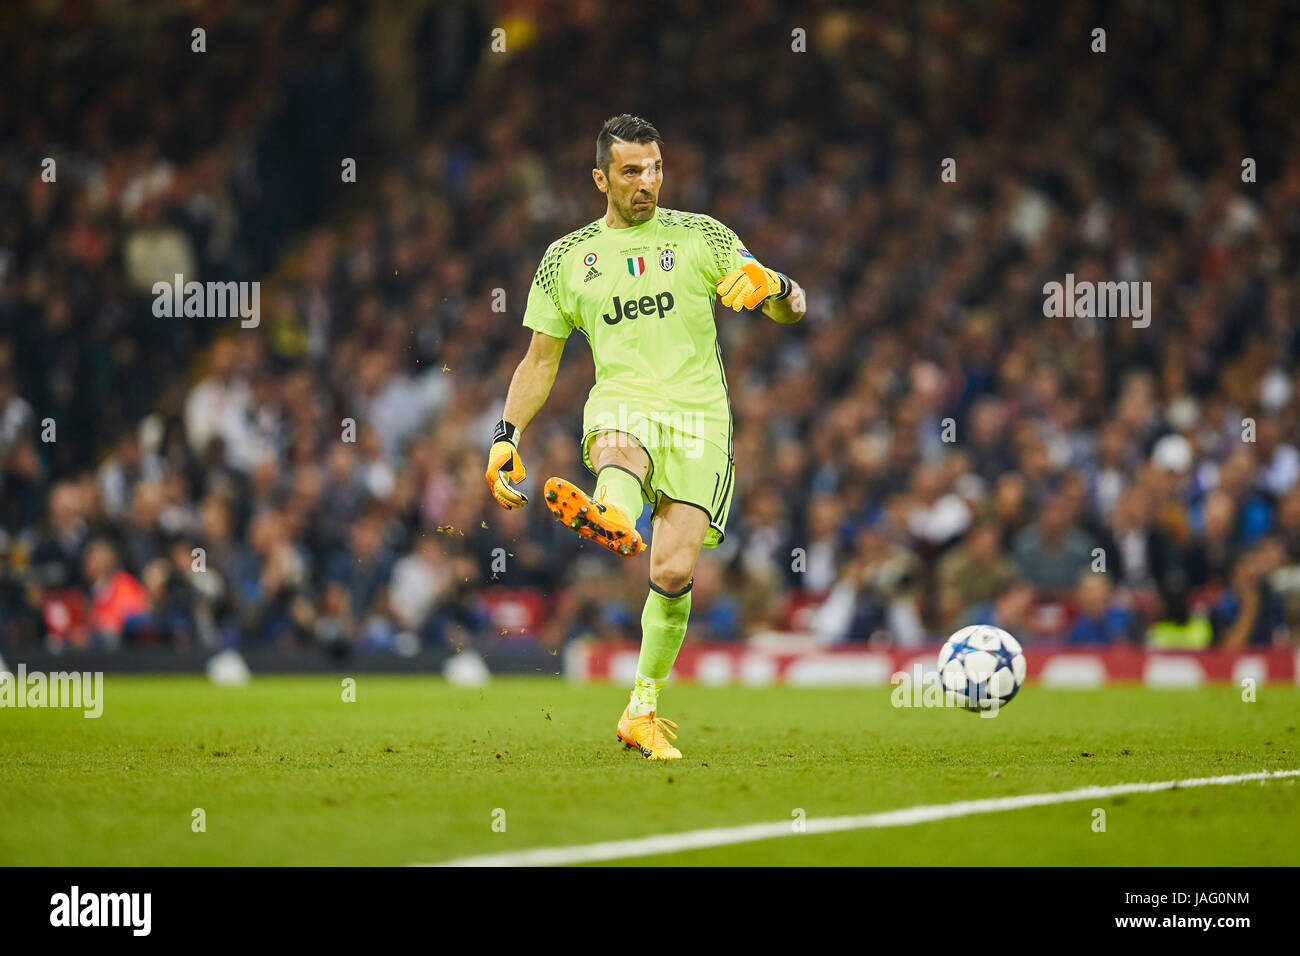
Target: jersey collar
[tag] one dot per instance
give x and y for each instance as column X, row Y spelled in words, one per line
column 630, row 230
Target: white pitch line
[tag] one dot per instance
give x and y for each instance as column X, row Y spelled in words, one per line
column 723, row 836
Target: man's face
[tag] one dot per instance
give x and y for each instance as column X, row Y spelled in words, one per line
column 632, row 181
column 1056, row 516
column 984, row 543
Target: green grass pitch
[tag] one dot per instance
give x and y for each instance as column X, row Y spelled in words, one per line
column 413, row 771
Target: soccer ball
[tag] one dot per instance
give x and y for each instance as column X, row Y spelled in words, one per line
column 981, row 667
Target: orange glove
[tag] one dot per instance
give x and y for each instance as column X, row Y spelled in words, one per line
column 748, row 286
column 505, row 468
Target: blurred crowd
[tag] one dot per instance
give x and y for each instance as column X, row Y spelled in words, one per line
column 925, row 450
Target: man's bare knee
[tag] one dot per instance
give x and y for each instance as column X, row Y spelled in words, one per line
column 672, row 574
column 619, row 448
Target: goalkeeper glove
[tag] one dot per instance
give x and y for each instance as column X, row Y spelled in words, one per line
column 505, row 467
column 748, row 287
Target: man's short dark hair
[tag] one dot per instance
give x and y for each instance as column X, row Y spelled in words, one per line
column 623, row 128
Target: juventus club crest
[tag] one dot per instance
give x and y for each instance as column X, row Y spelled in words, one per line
column 667, row 257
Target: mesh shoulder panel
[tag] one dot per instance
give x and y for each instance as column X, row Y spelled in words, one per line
column 548, row 273
column 722, row 242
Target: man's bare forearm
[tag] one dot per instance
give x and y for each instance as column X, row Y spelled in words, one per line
column 789, row 310
column 529, row 389
column 532, row 381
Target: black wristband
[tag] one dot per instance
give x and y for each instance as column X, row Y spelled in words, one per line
column 507, row 432
column 786, row 286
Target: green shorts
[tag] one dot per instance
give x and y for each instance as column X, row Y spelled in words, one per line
column 682, row 468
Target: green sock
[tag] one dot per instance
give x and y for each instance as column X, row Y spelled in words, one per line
column 618, row 486
column 645, row 695
column 663, row 626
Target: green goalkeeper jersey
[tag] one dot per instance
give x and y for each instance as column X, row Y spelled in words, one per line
column 643, row 298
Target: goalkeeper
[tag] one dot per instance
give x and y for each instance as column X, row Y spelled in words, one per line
column 639, row 285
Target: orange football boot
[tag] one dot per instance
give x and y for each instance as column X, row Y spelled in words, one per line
column 648, row 734
column 607, row 525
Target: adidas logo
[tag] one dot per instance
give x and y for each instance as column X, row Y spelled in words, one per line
column 592, row 273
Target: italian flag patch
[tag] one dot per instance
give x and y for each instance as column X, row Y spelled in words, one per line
column 636, row 265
